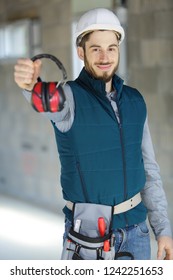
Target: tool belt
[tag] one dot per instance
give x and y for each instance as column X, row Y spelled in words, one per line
column 91, row 236
column 121, row 207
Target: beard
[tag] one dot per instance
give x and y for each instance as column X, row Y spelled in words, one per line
column 105, row 76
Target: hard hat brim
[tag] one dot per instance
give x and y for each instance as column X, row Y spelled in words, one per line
column 95, row 27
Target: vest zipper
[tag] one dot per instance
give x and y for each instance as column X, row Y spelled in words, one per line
column 124, row 161
column 82, row 182
column 123, row 157
column 122, row 150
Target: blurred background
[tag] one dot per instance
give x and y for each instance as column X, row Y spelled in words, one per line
column 31, row 220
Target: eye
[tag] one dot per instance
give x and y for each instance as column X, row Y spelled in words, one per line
column 112, row 49
column 96, row 49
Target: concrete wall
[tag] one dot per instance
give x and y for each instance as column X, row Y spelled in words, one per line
column 29, row 166
column 150, row 60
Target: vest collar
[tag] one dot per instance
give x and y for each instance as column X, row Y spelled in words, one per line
column 98, row 86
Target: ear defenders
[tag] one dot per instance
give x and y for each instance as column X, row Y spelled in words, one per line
column 49, row 96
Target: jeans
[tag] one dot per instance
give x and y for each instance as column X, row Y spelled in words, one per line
column 133, row 239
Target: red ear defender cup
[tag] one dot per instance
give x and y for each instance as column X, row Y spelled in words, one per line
column 36, row 98
column 49, row 96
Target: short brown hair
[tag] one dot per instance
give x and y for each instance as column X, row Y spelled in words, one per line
column 82, row 39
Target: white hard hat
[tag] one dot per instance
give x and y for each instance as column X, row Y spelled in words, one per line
column 99, row 19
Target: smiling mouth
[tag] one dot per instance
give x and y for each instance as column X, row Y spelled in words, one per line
column 104, row 66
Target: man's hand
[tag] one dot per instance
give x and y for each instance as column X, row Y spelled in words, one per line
column 26, row 73
column 165, row 248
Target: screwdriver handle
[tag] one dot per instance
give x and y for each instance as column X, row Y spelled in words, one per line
column 102, row 231
column 101, row 226
column 106, row 246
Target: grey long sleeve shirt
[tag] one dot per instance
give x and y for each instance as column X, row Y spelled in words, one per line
column 153, row 195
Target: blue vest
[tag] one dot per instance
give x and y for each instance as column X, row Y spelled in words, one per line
column 101, row 159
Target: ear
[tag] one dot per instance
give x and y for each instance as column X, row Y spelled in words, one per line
column 80, row 52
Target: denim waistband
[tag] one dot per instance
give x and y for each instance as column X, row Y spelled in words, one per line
column 128, row 228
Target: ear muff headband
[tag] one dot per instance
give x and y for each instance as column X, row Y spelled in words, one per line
column 53, row 58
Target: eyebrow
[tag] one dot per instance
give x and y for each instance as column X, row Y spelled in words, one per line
column 98, row 46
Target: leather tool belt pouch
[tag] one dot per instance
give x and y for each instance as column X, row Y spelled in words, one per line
column 90, row 237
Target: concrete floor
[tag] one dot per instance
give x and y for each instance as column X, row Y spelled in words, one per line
column 31, row 233
column 28, row 232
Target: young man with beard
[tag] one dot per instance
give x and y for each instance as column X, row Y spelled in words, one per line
column 104, row 141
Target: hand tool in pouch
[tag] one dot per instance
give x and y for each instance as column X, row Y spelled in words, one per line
column 102, row 231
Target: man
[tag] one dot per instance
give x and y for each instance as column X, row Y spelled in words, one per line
column 104, row 141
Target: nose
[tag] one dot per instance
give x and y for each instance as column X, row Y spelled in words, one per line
column 103, row 55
